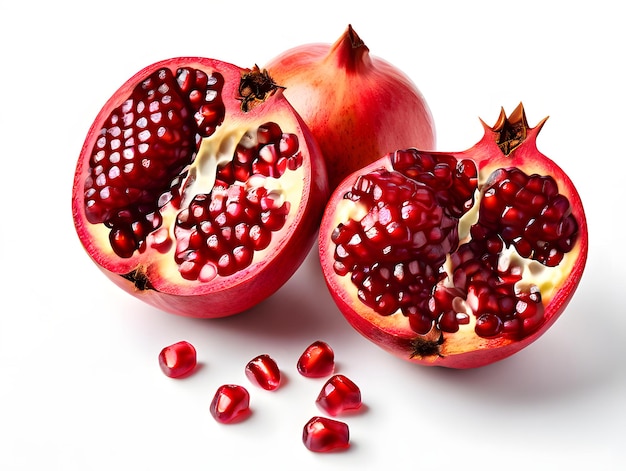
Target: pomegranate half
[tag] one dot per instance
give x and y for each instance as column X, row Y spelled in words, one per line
column 456, row 259
column 357, row 105
column 199, row 189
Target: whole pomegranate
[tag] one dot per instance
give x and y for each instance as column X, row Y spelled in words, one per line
column 456, row 259
column 199, row 189
column 357, row 106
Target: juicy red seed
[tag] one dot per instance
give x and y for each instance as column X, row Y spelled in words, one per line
column 317, row 360
column 339, row 395
column 178, row 359
column 322, row 435
column 264, row 372
column 231, row 403
column 488, row 325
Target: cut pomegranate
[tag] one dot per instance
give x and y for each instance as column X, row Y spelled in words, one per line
column 456, row 259
column 323, row 435
column 199, row 189
column 317, row 360
column 357, row 105
column 263, row 371
column 178, row 360
column 339, row 395
column 230, row 404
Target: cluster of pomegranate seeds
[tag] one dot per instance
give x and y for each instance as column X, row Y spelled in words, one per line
column 529, row 213
column 263, row 371
column 322, row 435
column 396, row 251
column 269, row 153
column 178, row 360
column 219, row 232
column 339, row 395
column 453, row 181
column 231, row 403
column 143, row 149
column 317, row 360
column 395, row 254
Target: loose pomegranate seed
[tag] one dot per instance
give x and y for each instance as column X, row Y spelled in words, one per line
column 231, row 403
column 178, row 359
column 322, row 435
column 264, row 372
column 339, row 395
column 317, row 361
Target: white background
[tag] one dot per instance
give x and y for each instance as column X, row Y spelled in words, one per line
column 80, row 387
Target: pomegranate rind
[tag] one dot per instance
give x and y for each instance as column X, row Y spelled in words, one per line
column 463, row 349
column 156, row 280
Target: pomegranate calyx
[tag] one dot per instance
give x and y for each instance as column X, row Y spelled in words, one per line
column 255, row 87
column 509, row 132
column 349, row 52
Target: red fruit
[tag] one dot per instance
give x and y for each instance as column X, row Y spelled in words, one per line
column 264, row 372
column 231, row 403
column 323, row 435
column 178, row 359
column 456, row 259
column 358, row 106
column 317, row 361
column 339, row 395
column 198, row 189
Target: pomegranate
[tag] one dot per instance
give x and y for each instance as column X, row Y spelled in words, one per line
column 456, row 259
column 358, row 106
column 199, row 189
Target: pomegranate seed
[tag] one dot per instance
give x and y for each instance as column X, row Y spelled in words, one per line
column 338, row 395
column 178, row 359
column 318, row 360
column 264, row 372
column 323, row 435
column 231, row 403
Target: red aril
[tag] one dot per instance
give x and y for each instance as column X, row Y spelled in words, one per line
column 230, row 404
column 339, row 395
column 322, row 435
column 198, row 189
column 178, row 360
column 456, row 259
column 358, row 106
column 317, row 360
column 263, row 371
